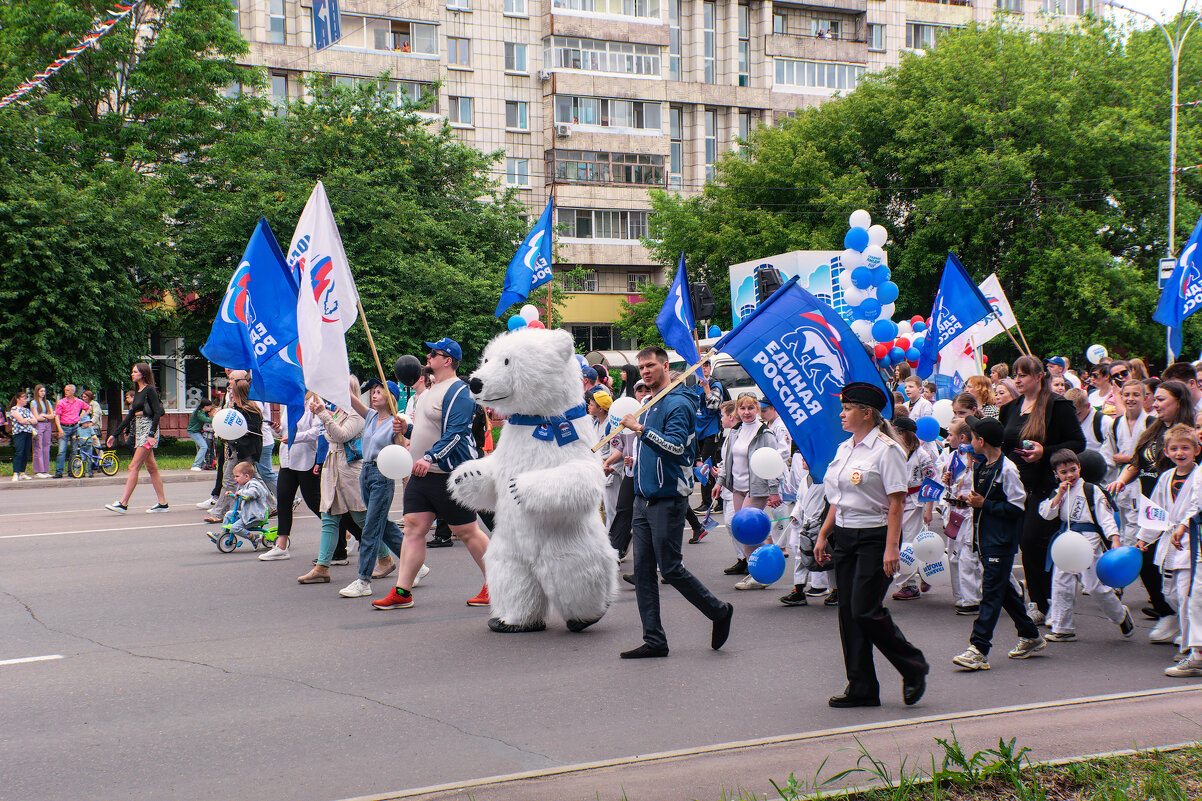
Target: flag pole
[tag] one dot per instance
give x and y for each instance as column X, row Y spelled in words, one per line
column 1020, row 333
column 551, row 266
column 376, row 356
column 673, row 384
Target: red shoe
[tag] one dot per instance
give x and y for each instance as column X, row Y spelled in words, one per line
column 481, row 599
column 393, row 601
column 906, row 594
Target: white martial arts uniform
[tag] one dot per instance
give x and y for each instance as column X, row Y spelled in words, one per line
column 1174, row 563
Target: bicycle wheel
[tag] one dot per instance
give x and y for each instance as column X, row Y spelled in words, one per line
column 227, row 542
column 76, row 468
column 108, row 463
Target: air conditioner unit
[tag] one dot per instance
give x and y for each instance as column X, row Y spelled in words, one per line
column 563, row 130
column 543, row 75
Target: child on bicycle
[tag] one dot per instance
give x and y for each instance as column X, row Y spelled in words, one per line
column 250, row 503
column 86, row 442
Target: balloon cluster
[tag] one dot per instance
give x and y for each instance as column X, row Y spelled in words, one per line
column 925, row 555
column 526, row 318
column 872, row 296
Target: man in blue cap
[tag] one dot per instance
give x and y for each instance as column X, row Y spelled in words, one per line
column 440, row 439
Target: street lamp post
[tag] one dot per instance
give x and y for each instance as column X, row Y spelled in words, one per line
column 1175, row 43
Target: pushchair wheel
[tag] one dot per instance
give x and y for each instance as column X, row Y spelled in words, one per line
column 227, row 542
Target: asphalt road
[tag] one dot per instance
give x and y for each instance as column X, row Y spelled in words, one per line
column 180, row 672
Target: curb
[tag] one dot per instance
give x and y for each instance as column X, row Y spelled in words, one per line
column 169, row 477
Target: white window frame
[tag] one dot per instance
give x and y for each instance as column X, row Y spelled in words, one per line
column 873, row 29
column 277, row 22
column 455, row 107
column 515, row 58
column 459, row 5
column 780, row 23
column 709, row 22
column 635, row 282
column 515, row 8
column 601, row 56
column 521, row 112
column 588, row 283
column 517, row 172
column 817, row 75
column 833, row 28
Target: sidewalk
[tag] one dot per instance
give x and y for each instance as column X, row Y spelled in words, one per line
column 169, row 477
column 1053, row 730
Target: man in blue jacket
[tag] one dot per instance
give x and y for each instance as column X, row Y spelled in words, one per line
column 663, row 481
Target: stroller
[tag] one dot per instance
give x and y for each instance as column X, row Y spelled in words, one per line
column 263, row 534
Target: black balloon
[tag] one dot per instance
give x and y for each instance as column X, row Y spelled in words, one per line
column 407, row 370
column 1093, row 466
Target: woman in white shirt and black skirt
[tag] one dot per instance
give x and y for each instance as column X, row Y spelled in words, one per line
column 866, row 485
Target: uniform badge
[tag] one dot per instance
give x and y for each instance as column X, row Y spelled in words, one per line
column 856, row 476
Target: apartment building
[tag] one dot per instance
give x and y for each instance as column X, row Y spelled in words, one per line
column 596, row 101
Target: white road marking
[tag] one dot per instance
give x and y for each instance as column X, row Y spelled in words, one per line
column 48, row 512
column 98, row 530
column 23, row 659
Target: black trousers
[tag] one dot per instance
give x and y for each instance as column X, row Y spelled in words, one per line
column 864, row 622
column 1037, row 536
column 1149, row 574
column 346, row 523
column 216, row 493
column 620, row 526
column 708, row 448
column 288, row 481
column 998, row 593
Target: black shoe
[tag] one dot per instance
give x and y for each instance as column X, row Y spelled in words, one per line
column 58, row 475
column 832, row 598
column 698, row 536
column 846, row 701
column 645, row 651
column 628, row 578
column 968, row 609
column 913, row 688
column 440, row 542
column 816, row 592
column 716, row 508
column 701, row 507
column 722, row 626
column 739, row 568
column 795, row 598
column 1149, row 612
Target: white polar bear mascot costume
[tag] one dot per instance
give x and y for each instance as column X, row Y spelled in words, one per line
column 544, row 483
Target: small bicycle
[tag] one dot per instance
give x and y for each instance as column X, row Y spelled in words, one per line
column 263, row 534
column 90, row 460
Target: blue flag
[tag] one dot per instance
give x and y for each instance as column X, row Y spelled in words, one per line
column 702, row 472
column 1182, row 295
column 959, row 305
column 255, row 327
column 530, row 267
column 801, row 353
column 675, row 320
column 931, row 490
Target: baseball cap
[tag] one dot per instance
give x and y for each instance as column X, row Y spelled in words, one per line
column 447, row 345
column 601, row 397
column 1058, row 361
column 371, row 383
column 640, row 383
column 589, row 373
column 988, row 429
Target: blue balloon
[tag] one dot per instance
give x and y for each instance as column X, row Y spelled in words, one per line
column 884, row 330
column 750, row 526
column 856, row 239
column 884, row 363
column 869, row 309
column 516, row 322
column 928, row 428
column 1119, row 567
column 913, row 354
column 861, row 277
column 919, row 327
column 887, row 293
column 766, row 564
column 714, row 331
column 897, row 355
column 880, row 275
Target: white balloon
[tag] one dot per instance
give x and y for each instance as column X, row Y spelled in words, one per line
column 878, row 236
column 943, row 412
column 851, row 259
column 863, row 330
column 623, row 406
column 854, row 296
column 887, row 311
column 229, row 424
column 904, row 329
column 845, row 280
column 1095, row 353
column 1071, row 552
column 874, row 256
column 937, row 572
column 395, row 462
column 859, row 219
column 767, row 463
column 928, row 546
column 529, row 313
column 906, row 558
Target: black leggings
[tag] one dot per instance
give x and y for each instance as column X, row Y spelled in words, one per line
column 1037, row 535
column 216, row 493
column 288, row 481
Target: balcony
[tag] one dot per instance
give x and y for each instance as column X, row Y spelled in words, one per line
column 816, row 48
column 846, row 6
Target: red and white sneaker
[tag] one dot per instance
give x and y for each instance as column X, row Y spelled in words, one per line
column 393, row 600
column 481, row 599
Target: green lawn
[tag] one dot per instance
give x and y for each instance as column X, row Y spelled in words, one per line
column 171, row 455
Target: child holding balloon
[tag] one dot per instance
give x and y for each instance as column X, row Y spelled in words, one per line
column 746, row 486
column 1082, row 509
column 963, row 563
column 920, row 465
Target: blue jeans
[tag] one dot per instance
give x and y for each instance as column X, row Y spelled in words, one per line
column 998, row 593
column 329, row 535
column 380, row 534
column 658, row 531
column 65, row 443
column 265, row 471
column 202, row 447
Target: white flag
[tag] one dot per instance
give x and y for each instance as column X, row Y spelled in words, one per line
column 327, row 304
column 1152, row 516
column 1003, row 316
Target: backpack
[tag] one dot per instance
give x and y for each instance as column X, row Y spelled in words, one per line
column 1090, row 502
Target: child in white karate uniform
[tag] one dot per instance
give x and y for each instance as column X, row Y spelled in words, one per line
column 808, row 514
column 964, row 564
column 920, row 464
column 1118, row 449
column 1094, row 519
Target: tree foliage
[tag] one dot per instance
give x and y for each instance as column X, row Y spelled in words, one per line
column 1039, row 155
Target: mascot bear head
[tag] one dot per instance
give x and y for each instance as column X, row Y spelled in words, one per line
column 529, row 371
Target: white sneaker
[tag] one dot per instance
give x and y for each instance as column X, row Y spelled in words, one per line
column 41, row 475
column 1186, row 668
column 1026, row 647
column 196, row 469
column 1037, row 617
column 972, row 659
column 207, row 503
column 1165, row 631
column 749, row 583
column 275, row 554
column 421, row 574
column 16, row 477
column 356, row 589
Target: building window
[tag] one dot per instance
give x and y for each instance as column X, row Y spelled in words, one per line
column 517, row 172
column 676, row 131
column 586, row 166
column 824, row 28
column 1010, row 5
column 744, row 45
column 818, row 74
column 515, row 115
column 595, row 55
column 746, row 121
column 460, row 111
column 876, row 37
column 277, row 23
column 921, row 36
column 1069, row 8
column 780, row 22
column 674, row 33
column 607, row 113
column 279, row 93
column 419, row 94
column 237, row 15
column 710, row 11
column 711, row 143
column 636, row 281
column 603, row 224
column 516, row 7
column 515, row 57
column 625, row 8
column 459, row 5
column 395, row 36
column 459, row 51
column 586, row 282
